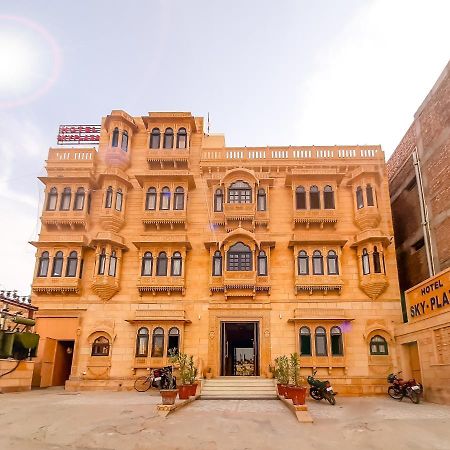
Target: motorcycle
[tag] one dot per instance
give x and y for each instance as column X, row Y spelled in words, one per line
column 158, row 379
column 401, row 388
column 321, row 389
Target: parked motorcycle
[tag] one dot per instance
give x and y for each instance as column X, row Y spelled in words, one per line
column 158, row 379
column 321, row 389
column 401, row 388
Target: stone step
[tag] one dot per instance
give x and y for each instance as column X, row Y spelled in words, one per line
column 238, row 388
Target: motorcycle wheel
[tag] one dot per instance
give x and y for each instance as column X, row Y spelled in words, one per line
column 142, row 384
column 315, row 394
column 414, row 396
column 330, row 398
column 394, row 393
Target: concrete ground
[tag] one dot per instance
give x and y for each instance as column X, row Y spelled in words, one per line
column 55, row 419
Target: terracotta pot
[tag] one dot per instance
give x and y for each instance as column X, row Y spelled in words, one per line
column 298, row 395
column 193, row 389
column 168, row 396
column 184, row 391
column 287, row 391
column 281, row 388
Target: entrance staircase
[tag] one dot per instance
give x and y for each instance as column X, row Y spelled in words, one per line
column 237, row 388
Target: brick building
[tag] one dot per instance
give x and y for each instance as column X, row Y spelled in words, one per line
column 166, row 238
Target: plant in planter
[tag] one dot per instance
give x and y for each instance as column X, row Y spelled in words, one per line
column 192, row 375
column 296, row 391
column 281, row 372
column 169, row 389
column 181, row 360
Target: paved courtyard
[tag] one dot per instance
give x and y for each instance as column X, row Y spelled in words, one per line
column 54, row 419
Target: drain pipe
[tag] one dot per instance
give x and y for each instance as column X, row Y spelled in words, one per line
column 424, row 214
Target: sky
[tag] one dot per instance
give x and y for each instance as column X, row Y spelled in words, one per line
column 286, row 72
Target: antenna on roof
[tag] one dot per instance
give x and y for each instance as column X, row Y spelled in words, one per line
column 208, row 125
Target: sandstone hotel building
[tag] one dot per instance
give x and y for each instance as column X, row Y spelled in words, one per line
column 165, row 238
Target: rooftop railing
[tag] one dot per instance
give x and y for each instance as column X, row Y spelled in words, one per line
column 71, row 154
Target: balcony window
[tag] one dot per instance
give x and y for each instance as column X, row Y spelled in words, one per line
column 57, row 264
column 217, row 264
column 119, row 200
column 158, row 343
column 359, row 198
column 328, row 197
column 178, row 201
column 52, row 199
column 175, row 269
column 376, row 260
column 142, row 342
column 173, row 344
column 109, row 197
column 43, row 264
column 112, row 264
column 150, row 199
column 239, row 257
column 262, row 263
column 65, row 199
column 337, row 348
column 155, row 138
column 321, row 342
column 115, row 138
column 332, row 263
column 79, row 200
column 147, row 264
column 168, row 138
column 72, row 262
column 365, row 262
column 182, row 138
column 124, row 144
column 303, row 263
column 100, row 347
column 101, row 262
column 261, row 201
column 314, row 198
column 300, row 198
column 164, row 198
column 378, row 346
column 317, row 263
column 369, row 195
column 218, row 200
column 240, row 192
column 305, row 341
column 161, row 265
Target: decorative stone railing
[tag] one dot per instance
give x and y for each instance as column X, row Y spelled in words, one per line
column 321, row 216
column 309, row 284
column 56, row 285
column 156, row 284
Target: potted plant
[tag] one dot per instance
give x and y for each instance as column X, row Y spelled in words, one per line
column 182, row 361
column 281, row 372
column 296, row 391
column 192, row 375
column 169, row 395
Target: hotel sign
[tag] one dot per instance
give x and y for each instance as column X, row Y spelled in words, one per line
column 78, row 134
column 429, row 298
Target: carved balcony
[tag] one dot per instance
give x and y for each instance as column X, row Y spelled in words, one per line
column 367, row 217
column 373, row 284
column 177, row 158
column 239, row 284
column 56, row 285
column 115, row 157
column 165, row 217
column 111, row 219
column 318, row 283
column 65, row 219
column 105, row 286
column 157, row 284
column 319, row 216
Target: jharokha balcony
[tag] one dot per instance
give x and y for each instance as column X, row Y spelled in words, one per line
column 158, row 284
column 320, row 216
column 63, row 219
column 240, row 214
column 318, row 283
column 164, row 217
column 105, row 286
column 239, row 284
column 56, row 285
column 373, row 284
column 367, row 217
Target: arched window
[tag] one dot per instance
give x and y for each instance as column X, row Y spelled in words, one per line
column 147, row 264
column 101, row 262
column 218, row 200
column 164, row 198
column 300, row 197
column 262, row 263
column 115, row 138
column 303, row 263
column 57, row 264
column 182, row 138
column 52, row 199
column 175, row 269
column 365, row 262
column 332, row 263
column 161, row 265
column 112, row 264
column 43, row 264
column 124, row 144
column 321, row 342
column 261, row 203
column 369, row 195
column 142, row 342
column 72, row 262
column 359, row 198
column 109, row 197
column 168, row 138
column 305, row 341
column 328, row 197
column 239, row 192
column 79, row 199
column 239, row 257
column 100, row 347
column 317, row 263
column 376, row 260
column 173, row 343
column 155, row 138
column 178, row 201
column 158, row 343
column 378, row 346
column 314, row 198
column 119, row 200
column 337, row 348
column 150, row 200
column 65, row 199
column 217, row 264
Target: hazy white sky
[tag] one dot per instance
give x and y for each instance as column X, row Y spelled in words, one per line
column 289, row 72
